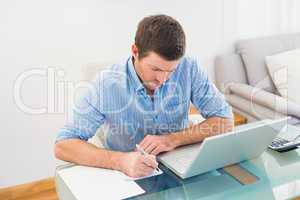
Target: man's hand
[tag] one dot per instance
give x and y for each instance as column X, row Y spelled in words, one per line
column 155, row 144
column 134, row 164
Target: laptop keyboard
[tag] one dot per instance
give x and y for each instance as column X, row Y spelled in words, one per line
column 179, row 159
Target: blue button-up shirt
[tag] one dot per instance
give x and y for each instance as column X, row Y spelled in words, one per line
column 118, row 102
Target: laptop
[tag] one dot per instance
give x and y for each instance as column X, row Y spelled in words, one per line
column 222, row 150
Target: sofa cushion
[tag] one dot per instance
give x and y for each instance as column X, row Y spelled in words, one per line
column 254, row 51
column 284, row 69
column 229, row 68
column 251, row 108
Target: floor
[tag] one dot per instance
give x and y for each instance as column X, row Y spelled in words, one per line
column 38, row 190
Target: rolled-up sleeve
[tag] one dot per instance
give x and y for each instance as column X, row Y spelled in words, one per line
column 206, row 97
column 84, row 118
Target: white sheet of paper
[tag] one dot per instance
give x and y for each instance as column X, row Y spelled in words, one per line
column 155, row 173
column 95, row 183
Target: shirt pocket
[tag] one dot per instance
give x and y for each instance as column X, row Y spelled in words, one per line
column 174, row 116
column 175, row 107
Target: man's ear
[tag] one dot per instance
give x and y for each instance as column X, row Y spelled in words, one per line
column 134, row 51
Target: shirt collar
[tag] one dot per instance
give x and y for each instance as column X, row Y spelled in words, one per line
column 134, row 77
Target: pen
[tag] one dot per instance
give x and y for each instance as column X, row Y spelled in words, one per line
column 143, row 152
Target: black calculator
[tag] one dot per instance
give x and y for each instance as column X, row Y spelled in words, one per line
column 282, row 145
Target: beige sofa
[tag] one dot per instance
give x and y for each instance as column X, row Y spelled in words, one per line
column 244, row 79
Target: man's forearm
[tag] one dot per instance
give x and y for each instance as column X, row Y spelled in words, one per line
column 83, row 153
column 197, row 133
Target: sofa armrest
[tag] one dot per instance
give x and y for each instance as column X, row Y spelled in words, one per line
column 267, row 99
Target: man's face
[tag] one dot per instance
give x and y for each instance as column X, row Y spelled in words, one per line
column 153, row 70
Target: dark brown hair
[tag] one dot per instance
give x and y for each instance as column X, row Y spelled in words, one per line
column 161, row 34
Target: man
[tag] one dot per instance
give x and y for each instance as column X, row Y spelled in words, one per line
column 144, row 101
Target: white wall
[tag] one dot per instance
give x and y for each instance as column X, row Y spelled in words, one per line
column 68, row 34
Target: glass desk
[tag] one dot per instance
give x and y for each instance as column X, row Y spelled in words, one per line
column 278, row 177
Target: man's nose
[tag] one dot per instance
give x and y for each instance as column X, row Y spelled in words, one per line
column 162, row 77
